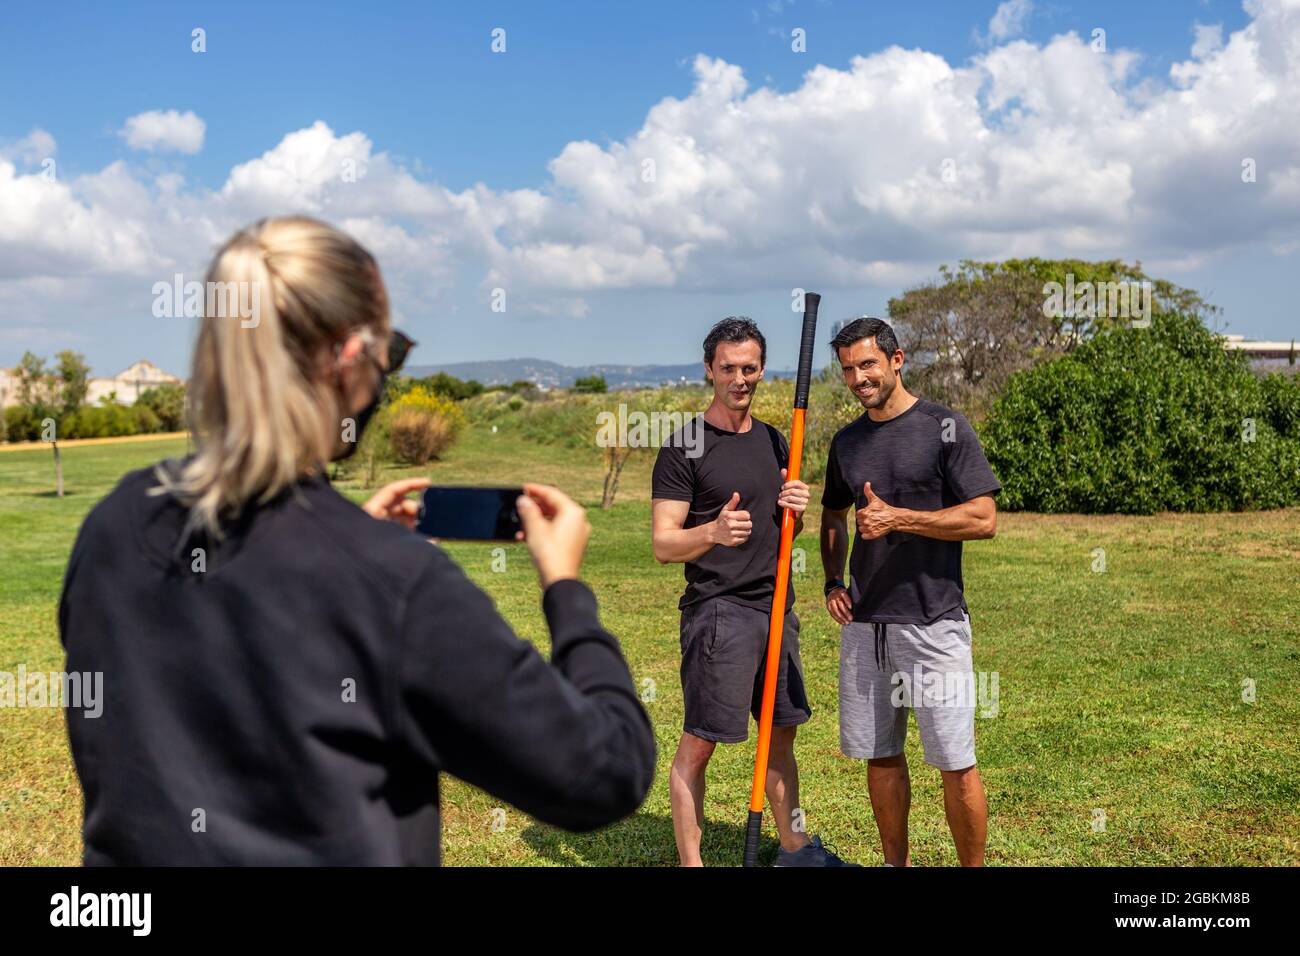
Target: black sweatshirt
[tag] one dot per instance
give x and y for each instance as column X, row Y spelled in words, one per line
column 290, row 694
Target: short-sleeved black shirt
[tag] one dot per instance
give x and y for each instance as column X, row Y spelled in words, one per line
column 925, row 459
column 748, row 462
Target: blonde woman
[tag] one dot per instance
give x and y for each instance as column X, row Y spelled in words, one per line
column 285, row 674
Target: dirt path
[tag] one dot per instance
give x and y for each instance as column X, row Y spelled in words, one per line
column 80, row 442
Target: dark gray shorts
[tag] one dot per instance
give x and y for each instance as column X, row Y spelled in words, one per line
column 724, row 653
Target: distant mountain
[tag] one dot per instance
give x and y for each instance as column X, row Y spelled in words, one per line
column 554, row 375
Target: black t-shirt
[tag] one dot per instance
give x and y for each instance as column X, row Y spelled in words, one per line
column 750, row 463
column 925, row 459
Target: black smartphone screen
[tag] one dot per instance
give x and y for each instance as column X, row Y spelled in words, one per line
column 470, row 514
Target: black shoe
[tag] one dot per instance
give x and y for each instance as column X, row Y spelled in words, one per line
column 815, row 853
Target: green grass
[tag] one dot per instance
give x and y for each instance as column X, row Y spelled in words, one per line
column 1118, row 690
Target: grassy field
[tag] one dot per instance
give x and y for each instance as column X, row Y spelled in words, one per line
column 1119, row 692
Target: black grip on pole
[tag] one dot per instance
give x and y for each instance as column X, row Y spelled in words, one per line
column 752, row 831
column 807, row 343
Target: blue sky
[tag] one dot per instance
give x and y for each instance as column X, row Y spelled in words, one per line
column 438, row 111
column 418, row 79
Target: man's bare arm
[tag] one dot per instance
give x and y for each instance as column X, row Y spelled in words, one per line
column 835, row 550
column 968, row 521
column 672, row 542
column 834, row 542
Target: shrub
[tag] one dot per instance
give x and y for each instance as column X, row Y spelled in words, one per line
column 146, row 420
column 430, row 401
column 167, row 402
column 1140, row 420
column 449, row 386
column 108, row 421
column 23, row 422
column 422, row 425
column 417, row 435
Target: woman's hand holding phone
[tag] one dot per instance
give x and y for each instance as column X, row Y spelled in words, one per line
column 556, row 528
column 556, row 531
column 390, row 503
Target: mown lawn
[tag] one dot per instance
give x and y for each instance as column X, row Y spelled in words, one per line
column 1119, row 692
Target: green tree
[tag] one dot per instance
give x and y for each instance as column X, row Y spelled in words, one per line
column 74, row 380
column 591, row 384
column 967, row 333
column 35, row 382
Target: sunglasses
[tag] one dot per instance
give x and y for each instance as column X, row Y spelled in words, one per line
column 399, row 347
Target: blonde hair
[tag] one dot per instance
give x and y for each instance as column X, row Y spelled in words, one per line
column 261, row 407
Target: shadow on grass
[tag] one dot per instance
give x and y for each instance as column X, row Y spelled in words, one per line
column 53, row 494
column 644, row 839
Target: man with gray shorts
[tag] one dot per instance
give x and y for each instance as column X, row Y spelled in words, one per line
column 920, row 483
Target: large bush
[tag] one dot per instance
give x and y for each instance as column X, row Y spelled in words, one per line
column 417, row 435
column 23, row 422
column 422, row 425
column 109, row 420
column 1140, row 420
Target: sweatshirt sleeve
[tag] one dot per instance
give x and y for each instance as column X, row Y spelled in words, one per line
column 567, row 742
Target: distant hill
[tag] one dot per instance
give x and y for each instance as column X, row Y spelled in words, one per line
column 554, row 375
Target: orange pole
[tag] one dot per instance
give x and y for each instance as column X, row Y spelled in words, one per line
column 776, row 621
column 776, row 624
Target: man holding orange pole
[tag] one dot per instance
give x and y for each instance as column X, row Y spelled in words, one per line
column 719, row 512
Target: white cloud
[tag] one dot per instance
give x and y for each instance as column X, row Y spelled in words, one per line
column 868, row 175
column 36, row 147
column 1009, row 19
column 1209, row 39
column 164, row 131
column 53, row 229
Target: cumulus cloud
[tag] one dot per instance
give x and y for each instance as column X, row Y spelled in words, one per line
column 1209, row 39
column 870, row 174
column 54, row 229
column 36, row 147
column 164, row 131
column 1009, row 19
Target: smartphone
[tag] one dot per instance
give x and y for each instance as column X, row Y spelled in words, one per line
column 470, row 514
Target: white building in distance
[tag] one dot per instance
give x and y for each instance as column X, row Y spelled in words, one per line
column 128, row 384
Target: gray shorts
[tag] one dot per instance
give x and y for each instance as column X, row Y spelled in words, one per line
column 724, row 655
column 887, row 670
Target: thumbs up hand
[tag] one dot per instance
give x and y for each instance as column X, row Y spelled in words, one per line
column 875, row 518
column 732, row 527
